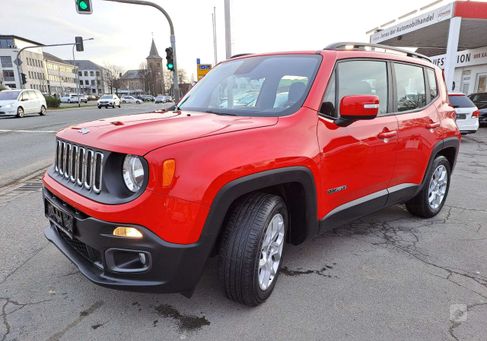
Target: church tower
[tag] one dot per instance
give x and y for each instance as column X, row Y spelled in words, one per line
column 155, row 71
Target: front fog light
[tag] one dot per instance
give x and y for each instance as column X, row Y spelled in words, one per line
column 127, row 232
column 133, row 173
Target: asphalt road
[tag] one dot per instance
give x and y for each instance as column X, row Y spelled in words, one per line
column 389, row 276
column 27, row 144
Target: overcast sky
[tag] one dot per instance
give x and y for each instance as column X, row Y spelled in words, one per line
column 123, row 32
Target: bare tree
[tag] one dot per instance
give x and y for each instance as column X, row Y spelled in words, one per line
column 113, row 77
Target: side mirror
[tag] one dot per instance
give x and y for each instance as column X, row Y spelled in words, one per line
column 357, row 107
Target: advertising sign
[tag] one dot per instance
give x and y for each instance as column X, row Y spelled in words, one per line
column 202, row 70
column 410, row 25
column 464, row 58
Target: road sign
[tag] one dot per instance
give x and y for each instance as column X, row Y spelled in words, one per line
column 17, row 62
column 203, row 69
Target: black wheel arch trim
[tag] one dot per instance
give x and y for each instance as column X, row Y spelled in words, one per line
column 258, row 181
column 450, row 142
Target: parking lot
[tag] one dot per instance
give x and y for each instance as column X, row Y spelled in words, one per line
column 387, row 276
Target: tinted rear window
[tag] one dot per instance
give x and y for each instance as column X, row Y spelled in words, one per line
column 461, row 101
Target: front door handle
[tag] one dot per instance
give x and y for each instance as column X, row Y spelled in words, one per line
column 387, row 134
column 433, row 125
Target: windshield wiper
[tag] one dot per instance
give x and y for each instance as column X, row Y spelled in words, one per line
column 220, row 113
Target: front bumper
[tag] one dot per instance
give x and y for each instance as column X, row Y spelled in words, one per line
column 170, row 267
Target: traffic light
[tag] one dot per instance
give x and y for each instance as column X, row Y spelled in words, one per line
column 170, row 59
column 84, row 6
column 24, row 78
column 79, row 44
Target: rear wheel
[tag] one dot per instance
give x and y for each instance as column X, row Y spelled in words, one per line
column 20, row 112
column 430, row 200
column 43, row 111
column 252, row 248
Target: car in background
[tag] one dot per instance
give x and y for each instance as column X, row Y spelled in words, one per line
column 21, row 102
column 480, row 100
column 109, row 101
column 73, row 98
column 131, row 100
column 92, row 98
column 467, row 113
column 148, row 98
column 163, row 99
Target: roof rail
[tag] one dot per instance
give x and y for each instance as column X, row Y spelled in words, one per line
column 240, row 55
column 373, row 47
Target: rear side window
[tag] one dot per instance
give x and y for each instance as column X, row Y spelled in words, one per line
column 410, row 87
column 460, row 101
column 433, row 86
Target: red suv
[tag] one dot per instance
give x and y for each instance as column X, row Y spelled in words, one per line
column 266, row 150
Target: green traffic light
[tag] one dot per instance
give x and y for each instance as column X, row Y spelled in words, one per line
column 83, row 5
column 170, row 66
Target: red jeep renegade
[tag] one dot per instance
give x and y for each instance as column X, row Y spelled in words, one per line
column 266, row 150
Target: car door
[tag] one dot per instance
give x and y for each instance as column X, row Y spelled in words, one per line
column 416, row 103
column 357, row 161
column 35, row 106
column 26, row 102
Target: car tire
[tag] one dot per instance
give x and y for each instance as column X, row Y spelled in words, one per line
column 43, row 111
column 20, row 112
column 119, row 106
column 254, row 230
column 430, row 200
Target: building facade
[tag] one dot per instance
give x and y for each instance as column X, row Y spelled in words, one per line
column 32, row 63
column 93, row 78
column 470, row 70
column 61, row 76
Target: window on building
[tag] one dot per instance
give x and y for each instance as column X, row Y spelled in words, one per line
column 7, row 43
column 87, row 82
column 97, row 73
column 92, row 82
column 92, row 73
column 6, row 61
column 80, row 82
column 86, row 73
column 410, row 85
column 80, row 73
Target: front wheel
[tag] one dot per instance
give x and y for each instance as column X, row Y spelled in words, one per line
column 430, row 200
column 43, row 111
column 252, row 247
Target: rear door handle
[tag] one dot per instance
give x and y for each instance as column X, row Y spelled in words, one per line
column 433, row 125
column 387, row 134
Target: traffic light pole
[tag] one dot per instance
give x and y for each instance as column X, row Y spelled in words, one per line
column 176, row 93
column 32, row 47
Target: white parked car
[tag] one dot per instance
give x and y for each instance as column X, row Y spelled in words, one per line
column 73, row 98
column 131, row 100
column 467, row 113
column 109, row 101
column 163, row 99
column 21, row 102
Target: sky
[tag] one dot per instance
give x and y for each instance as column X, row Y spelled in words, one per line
column 123, row 32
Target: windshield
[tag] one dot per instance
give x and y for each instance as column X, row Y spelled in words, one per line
column 255, row 86
column 9, row 95
column 106, row 97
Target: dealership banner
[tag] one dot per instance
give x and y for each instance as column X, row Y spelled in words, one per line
column 464, row 58
column 407, row 26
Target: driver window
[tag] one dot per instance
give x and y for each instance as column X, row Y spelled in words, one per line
column 363, row 78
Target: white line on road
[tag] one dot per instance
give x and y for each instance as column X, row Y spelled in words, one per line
column 27, row 131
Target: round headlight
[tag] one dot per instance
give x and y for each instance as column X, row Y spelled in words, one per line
column 133, row 173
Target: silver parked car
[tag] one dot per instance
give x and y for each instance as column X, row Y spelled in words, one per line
column 21, row 102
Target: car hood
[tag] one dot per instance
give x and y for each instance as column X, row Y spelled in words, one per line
column 142, row 133
column 5, row 103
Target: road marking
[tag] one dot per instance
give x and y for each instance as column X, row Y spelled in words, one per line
column 27, row 131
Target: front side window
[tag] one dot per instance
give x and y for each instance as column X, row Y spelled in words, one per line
column 328, row 107
column 410, row 87
column 255, row 86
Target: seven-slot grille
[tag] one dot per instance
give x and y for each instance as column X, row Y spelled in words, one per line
column 79, row 165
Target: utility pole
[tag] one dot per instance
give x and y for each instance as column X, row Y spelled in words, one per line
column 228, row 30
column 176, row 93
column 215, row 53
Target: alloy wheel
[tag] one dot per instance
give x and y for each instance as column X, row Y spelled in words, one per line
column 437, row 187
column 271, row 251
